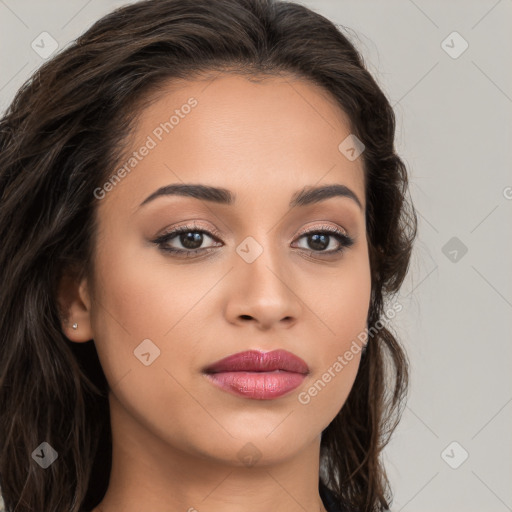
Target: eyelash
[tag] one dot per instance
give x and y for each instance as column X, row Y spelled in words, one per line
column 344, row 240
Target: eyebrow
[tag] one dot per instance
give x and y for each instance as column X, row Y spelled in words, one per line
column 304, row 197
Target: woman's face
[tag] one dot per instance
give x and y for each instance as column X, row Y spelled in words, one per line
column 257, row 281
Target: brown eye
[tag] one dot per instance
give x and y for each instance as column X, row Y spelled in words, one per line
column 320, row 239
column 191, row 239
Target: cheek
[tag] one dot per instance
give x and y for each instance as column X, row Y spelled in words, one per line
column 350, row 312
column 340, row 302
column 343, row 308
column 146, row 296
column 134, row 302
column 338, row 361
column 138, row 302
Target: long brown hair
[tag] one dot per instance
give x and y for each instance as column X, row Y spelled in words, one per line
column 60, row 139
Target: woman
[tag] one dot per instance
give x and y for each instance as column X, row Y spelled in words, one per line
column 202, row 220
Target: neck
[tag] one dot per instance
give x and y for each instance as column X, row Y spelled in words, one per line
column 150, row 474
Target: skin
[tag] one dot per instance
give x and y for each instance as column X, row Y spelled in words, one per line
column 176, row 437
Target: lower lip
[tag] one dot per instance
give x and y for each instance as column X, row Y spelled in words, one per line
column 257, row 385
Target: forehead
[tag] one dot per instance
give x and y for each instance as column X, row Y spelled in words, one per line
column 265, row 106
column 267, row 136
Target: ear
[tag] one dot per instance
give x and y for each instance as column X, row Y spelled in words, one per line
column 75, row 307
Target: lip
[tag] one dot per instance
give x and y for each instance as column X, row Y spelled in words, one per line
column 258, row 375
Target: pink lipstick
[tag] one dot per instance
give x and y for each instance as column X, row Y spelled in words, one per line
column 258, row 375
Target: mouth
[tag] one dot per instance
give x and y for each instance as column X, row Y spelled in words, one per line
column 258, row 375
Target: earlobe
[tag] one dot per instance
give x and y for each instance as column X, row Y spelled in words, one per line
column 75, row 308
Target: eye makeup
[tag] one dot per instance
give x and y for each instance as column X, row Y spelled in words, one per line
column 319, row 236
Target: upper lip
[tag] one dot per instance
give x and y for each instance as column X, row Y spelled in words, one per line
column 256, row 361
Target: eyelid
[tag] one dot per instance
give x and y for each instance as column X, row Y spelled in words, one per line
column 190, row 226
column 323, row 227
column 193, row 225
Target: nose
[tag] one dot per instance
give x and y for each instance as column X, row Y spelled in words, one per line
column 262, row 292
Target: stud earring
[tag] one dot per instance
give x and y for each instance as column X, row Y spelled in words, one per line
column 75, row 326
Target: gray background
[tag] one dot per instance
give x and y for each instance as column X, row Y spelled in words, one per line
column 453, row 131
